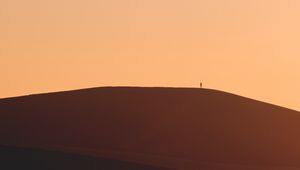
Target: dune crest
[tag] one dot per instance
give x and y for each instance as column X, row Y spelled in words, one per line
column 177, row 128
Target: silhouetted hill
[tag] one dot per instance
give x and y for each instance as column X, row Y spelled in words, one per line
column 168, row 127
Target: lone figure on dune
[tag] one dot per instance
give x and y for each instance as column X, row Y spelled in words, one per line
column 200, row 84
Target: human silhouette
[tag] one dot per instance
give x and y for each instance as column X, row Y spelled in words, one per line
column 200, row 84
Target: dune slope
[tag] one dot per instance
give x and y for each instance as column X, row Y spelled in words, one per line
column 176, row 128
column 14, row 158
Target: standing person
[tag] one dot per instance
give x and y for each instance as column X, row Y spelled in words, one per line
column 200, row 84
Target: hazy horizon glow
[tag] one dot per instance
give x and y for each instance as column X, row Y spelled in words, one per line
column 249, row 48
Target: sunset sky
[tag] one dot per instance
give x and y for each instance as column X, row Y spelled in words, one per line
column 247, row 47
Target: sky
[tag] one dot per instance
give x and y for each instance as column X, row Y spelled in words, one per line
column 250, row 48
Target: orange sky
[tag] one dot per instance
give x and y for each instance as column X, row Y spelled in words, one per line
column 246, row 47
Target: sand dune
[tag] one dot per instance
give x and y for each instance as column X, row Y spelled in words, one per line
column 176, row 128
column 13, row 158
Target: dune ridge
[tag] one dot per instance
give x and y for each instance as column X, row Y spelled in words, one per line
column 177, row 128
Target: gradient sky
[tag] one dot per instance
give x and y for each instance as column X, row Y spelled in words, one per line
column 245, row 47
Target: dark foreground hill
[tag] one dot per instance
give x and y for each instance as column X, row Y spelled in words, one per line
column 14, row 158
column 166, row 127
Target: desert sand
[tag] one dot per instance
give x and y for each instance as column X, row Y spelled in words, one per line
column 154, row 128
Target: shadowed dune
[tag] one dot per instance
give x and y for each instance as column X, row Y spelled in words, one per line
column 176, row 128
column 13, row 158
